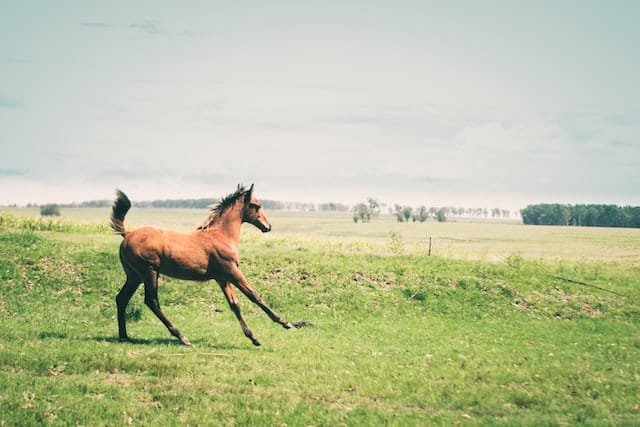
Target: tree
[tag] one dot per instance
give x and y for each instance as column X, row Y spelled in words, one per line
column 406, row 213
column 581, row 215
column 50, row 209
column 398, row 212
column 421, row 215
column 374, row 207
column 441, row 215
column 333, row 207
column 361, row 212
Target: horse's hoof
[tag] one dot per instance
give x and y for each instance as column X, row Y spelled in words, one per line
column 288, row 325
column 184, row 341
column 124, row 339
column 256, row 342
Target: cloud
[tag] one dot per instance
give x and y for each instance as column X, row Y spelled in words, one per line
column 8, row 172
column 602, row 130
column 96, row 25
column 7, row 102
column 623, row 119
column 148, row 26
column 567, row 158
column 14, row 60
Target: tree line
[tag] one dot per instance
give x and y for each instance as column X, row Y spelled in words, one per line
column 363, row 212
column 587, row 215
column 203, row 203
column 581, row 215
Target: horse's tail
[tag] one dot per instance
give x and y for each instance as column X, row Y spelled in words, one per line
column 120, row 208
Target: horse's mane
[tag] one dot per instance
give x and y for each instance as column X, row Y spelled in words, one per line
column 224, row 203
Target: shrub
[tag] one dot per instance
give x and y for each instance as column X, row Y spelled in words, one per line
column 50, row 210
column 395, row 245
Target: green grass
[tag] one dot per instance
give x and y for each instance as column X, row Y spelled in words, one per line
column 398, row 338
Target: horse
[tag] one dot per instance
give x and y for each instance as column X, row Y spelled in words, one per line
column 209, row 252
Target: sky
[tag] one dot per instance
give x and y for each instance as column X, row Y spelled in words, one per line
column 463, row 103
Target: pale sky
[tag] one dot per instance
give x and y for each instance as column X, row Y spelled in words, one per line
column 472, row 103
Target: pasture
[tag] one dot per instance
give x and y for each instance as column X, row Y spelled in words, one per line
column 483, row 332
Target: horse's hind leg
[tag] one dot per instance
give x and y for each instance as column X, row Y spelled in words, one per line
column 122, row 299
column 151, row 300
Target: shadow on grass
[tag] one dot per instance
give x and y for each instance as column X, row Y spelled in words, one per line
column 48, row 335
column 137, row 341
column 168, row 341
column 302, row 324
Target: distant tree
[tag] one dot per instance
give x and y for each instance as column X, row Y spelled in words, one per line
column 398, row 213
column 374, row 207
column 271, row 205
column 299, row 207
column 50, row 209
column 361, row 212
column 406, row 212
column 581, row 215
column 441, row 215
column 422, row 214
column 333, row 207
column 95, row 204
column 578, row 216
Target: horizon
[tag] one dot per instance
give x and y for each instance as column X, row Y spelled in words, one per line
column 295, row 205
column 415, row 103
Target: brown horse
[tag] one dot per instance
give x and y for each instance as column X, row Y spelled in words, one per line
column 210, row 252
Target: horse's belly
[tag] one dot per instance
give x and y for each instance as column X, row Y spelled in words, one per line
column 184, row 273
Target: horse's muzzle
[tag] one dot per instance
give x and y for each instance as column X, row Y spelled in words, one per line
column 264, row 227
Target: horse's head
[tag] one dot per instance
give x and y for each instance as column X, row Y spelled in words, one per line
column 253, row 213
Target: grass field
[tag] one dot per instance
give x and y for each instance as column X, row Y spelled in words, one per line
column 486, row 241
column 483, row 332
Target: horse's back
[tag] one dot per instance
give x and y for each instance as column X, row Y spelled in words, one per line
column 143, row 237
column 175, row 254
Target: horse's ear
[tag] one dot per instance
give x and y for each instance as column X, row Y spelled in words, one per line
column 248, row 194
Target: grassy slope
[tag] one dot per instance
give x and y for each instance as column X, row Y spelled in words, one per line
column 396, row 339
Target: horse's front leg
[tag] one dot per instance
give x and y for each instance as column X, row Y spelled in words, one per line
column 235, row 307
column 241, row 283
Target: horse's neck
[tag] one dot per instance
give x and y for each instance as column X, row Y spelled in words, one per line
column 229, row 223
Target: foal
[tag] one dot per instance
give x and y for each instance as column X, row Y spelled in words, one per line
column 210, row 252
